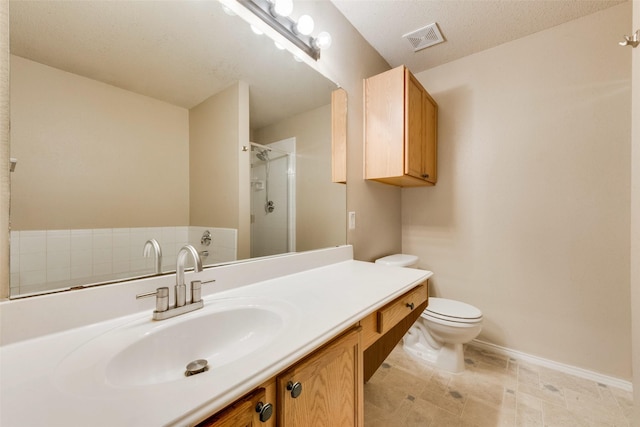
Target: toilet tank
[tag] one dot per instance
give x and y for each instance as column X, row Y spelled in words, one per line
column 399, row 260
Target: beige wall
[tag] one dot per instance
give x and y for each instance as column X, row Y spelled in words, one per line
column 320, row 204
column 530, row 219
column 635, row 216
column 349, row 60
column 215, row 140
column 88, row 151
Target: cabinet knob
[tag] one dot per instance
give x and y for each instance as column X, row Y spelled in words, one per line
column 410, row 305
column 425, row 175
column 294, row 388
column 265, row 410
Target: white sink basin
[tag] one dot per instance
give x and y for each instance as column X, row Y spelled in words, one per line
column 146, row 353
column 219, row 337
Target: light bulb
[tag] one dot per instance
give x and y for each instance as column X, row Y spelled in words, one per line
column 256, row 30
column 279, row 46
column 323, row 41
column 297, row 58
column 283, row 7
column 305, row 25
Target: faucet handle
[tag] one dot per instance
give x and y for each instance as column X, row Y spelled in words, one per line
column 196, row 289
column 162, row 298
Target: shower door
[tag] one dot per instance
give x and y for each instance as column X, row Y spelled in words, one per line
column 272, row 204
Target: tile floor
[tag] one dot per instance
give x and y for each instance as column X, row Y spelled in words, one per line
column 493, row 391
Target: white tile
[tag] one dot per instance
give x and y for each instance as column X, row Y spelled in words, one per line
column 167, row 235
column 102, row 268
column 103, row 238
column 121, row 237
column 14, row 282
column 33, row 261
column 139, row 266
column 103, row 255
column 14, row 262
column 225, row 237
column 82, row 240
column 58, row 259
column 182, row 235
column 82, row 271
column 14, row 240
column 79, row 258
column 222, row 255
column 138, row 237
column 33, row 242
column 58, row 241
column 30, row 278
column 59, row 274
column 121, row 266
column 120, row 253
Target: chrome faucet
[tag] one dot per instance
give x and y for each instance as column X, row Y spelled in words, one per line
column 181, row 287
column 163, row 310
column 153, row 245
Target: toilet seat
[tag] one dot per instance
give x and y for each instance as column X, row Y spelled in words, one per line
column 452, row 311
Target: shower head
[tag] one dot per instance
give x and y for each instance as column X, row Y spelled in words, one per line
column 263, row 155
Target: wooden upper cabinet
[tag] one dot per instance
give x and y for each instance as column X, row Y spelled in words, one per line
column 400, row 130
column 339, row 136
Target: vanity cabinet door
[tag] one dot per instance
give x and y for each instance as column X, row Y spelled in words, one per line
column 246, row 412
column 324, row 389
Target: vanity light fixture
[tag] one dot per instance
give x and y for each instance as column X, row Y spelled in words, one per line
column 275, row 13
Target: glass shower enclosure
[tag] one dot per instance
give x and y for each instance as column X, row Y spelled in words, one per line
column 273, row 198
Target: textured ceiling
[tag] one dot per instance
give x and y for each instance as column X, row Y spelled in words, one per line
column 468, row 26
column 180, row 52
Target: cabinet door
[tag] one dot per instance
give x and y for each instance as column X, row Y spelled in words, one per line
column 339, row 136
column 384, row 124
column 242, row 413
column 325, row 389
column 430, row 159
column 415, row 130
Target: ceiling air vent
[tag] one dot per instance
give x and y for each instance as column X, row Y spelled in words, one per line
column 424, row 37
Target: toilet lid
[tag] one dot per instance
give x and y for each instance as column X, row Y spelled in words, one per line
column 447, row 309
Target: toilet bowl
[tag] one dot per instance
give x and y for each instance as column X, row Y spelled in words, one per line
column 438, row 336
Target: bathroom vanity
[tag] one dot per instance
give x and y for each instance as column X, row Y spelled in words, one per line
column 290, row 336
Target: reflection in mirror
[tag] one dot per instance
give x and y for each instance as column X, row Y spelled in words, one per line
column 141, row 121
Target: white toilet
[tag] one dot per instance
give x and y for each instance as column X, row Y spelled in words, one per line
column 442, row 328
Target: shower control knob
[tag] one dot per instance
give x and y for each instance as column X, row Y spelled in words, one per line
column 294, row 388
column 265, row 410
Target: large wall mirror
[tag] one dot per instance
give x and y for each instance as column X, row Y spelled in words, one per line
column 145, row 124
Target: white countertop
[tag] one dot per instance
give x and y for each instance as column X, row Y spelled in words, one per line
column 321, row 302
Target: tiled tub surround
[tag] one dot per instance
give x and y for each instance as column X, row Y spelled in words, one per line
column 326, row 290
column 43, row 260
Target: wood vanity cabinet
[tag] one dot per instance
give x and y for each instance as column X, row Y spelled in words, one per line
column 400, row 130
column 325, row 389
column 383, row 329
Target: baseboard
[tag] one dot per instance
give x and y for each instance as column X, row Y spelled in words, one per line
column 567, row 369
